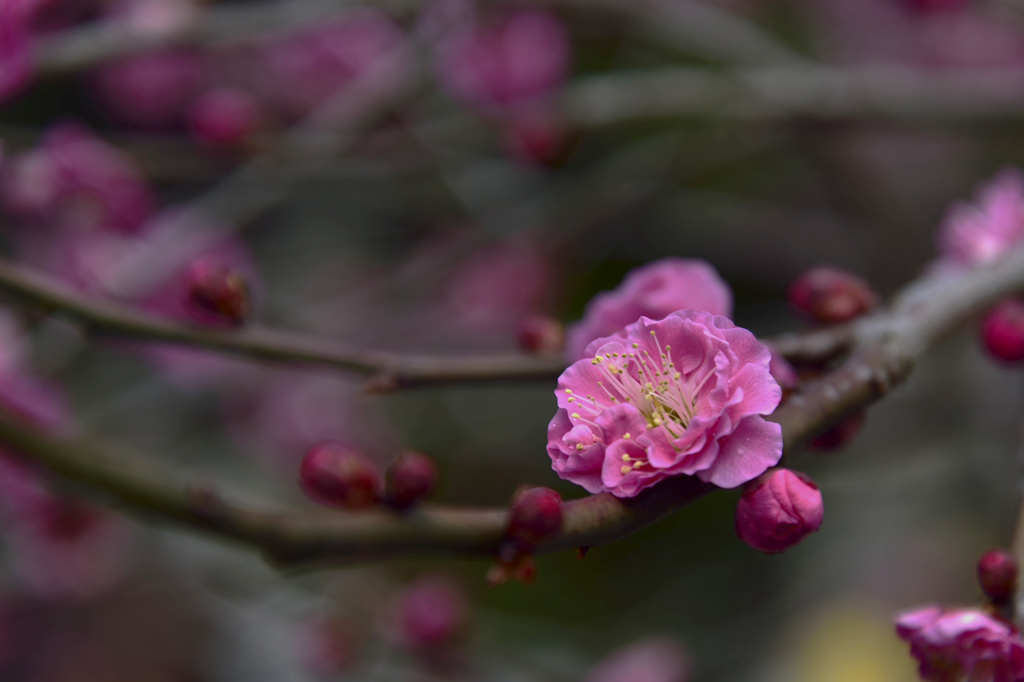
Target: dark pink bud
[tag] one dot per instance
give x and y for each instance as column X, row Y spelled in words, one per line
column 997, row 575
column 430, row 612
column 225, row 117
column 541, row 335
column 840, row 435
column 409, row 479
column 831, row 295
column 778, row 510
column 1002, row 331
column 217, row 294
column 337, row 475
column 537, row 137
column 536, row 515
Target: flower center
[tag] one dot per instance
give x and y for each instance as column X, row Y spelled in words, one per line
column 652, row 384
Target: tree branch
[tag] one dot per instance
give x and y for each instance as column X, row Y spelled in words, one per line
column 885, row 350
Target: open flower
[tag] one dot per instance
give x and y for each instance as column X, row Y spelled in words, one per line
column 683, row 395
column 956, row 644
column 976, row 233
column 654, row 291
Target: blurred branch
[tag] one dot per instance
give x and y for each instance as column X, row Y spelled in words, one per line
column 118, row 320
column 886, row 348
column 754, row 93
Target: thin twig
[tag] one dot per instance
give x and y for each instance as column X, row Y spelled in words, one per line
column 884, row 353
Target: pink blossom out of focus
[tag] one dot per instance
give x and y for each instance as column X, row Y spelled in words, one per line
column 981, row 231
column 156, row 17
column 1002, row 331
column 409, row 479
column 150, row 91
column 329, row 647
column 431, row 612
column 15, row 48
column 224, row 117
column 906, row 33
column 655, row 659
column 98, row 180
column 519, row 56
column 653, row 290
column 536, row 136
column 69, row 550
column 957, row 644
column 938, row 5
column 489, row 293
column 301, row 71
column 778, row 510
column 702, row 416
column 77, row 181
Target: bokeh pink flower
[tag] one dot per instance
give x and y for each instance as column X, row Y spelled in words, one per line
column 653, row 290
column 684, row 395
column 516, row 57
column 956, row 644
column 981, row 231
column 653, row 659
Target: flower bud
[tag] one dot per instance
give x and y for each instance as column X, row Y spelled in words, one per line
column 224, row 117
column 997, row 575
column 430, row 612
column 217, row 294
column 537, row 137
column 1002, row 331
column 830, row 295
column 778, row 510
column 840, row 435
column 536, row 515
column 409, row 479
column 337, row 475
column 541, row 335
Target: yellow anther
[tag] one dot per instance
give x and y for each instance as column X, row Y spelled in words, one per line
column 576, row 415
column 627, row 436
column 569, row 390
column 636, row 345
column 625, row 458
column 571, row 400
column 579, row 446
column 626, row 469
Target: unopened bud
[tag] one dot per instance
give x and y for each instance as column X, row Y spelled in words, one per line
column 541, row 335
column 538, row 137
column 830, row 295
column 409, row 479
column 778, row 510
column 430, row 612
column 997, row 575
column 225, row 117
column 840, row 435
column 217, row 294
column 1002, row 331
column 337, row 475
column 536, row 515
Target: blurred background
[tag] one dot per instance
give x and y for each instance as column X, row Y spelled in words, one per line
column 425, row 176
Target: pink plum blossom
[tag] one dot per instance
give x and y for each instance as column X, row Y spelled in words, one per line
column 653, row 290
column 430, row 612
column 15, row 48
column 517, row 57
column 684, row 395
column 956, row 644
column 778, row 510
column 76, row 180
column 301, row 71
column 976, row 233
column 150, row 91
column 655, row 659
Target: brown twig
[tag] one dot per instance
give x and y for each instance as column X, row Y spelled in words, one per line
column 885, row 350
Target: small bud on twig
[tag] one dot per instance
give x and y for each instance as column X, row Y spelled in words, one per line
column 831, row 295
column 409, row 479
column 337, row 475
